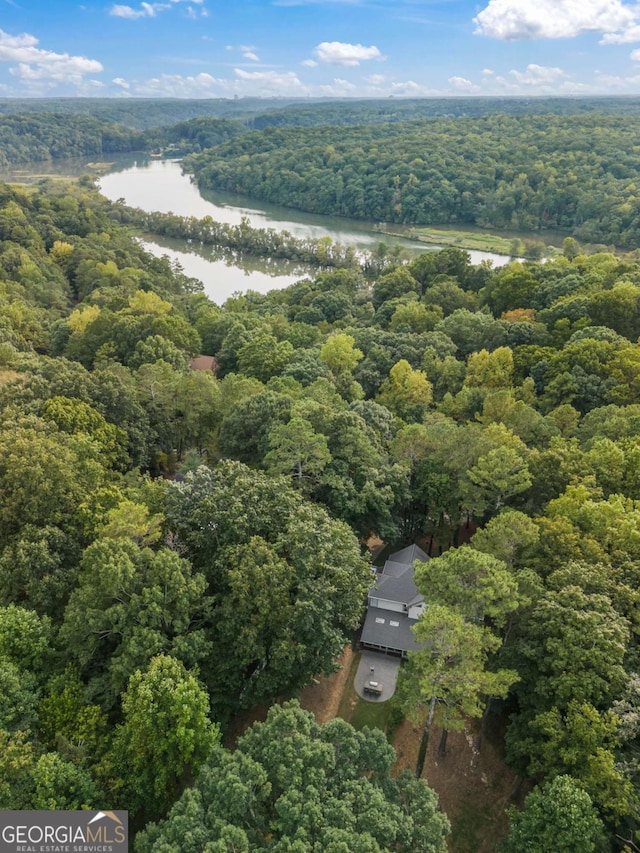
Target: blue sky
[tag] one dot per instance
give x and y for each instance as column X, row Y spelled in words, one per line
column 345, row 48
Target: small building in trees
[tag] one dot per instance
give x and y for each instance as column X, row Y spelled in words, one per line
column 204, row 362
column 394, row 605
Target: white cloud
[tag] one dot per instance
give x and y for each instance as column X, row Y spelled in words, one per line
column 146, row 10
column 177, row 86
column 36, row 64
column 627, row 36
column 342, row 53
column 271, row 82
column 316, row 2
column 609, row 83
column 309, row 63
column 461, row 84
column 338, row 89
column 411, row 88
column 533, row 80
column 203, row 85
column 537, row 75
column 17, row 42
column 375, row 79
column 529, row 19
column 635, row 55
column 248, row 51
column 150, row 10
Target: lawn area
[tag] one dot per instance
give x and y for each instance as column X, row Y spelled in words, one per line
column 359, row 712
column 376, row 715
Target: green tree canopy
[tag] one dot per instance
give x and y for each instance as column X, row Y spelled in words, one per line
column 477, row 585
column 166, row 732
column 294, row 785
column 129, row 605
column 558, row 815
column 289, row 579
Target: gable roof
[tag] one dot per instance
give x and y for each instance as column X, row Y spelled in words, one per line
column 204, row 362
column 408, row 556
column 394, row 570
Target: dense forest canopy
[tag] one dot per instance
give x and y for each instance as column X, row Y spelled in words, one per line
column 29, row 137
column 178, row 546
column 376, row 111
column 574, row 173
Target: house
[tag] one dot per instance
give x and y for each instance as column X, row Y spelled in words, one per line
column 204, row 362
column 394, row 605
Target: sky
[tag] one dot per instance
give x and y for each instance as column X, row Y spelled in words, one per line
column 318, row 48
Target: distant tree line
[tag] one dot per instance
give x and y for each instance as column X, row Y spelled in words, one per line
column 350, row 111
column 144, row 113
column 41, row 137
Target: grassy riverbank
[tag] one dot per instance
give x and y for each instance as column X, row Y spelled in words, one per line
column 474, row 240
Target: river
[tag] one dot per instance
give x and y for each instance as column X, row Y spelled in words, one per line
column 160, row 185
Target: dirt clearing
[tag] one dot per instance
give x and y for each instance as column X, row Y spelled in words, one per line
column 323, row 697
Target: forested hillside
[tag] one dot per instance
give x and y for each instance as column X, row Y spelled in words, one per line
column 35, row 137
column 195, row 134
column 574, row 173
column 24, row 138
column 147, row 113
column 177, row 545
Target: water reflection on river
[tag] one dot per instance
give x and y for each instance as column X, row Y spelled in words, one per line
column 223, row 276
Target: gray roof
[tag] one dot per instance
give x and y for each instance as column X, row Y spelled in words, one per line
column 402, row 589
column 389, row 630
column 408, row 556
column 394, row 570
column 396, row 581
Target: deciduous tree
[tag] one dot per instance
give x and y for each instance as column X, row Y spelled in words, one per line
column 558, row 815
column 166, row 732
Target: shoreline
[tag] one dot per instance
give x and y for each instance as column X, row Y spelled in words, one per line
column 516, row 247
